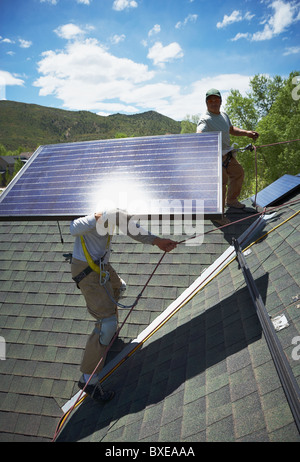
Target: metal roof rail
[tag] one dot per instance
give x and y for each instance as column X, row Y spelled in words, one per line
column 285, row 373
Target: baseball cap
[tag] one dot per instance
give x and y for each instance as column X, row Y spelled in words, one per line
column 213, row 92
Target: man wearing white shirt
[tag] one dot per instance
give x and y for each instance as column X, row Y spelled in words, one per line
column 96, row 231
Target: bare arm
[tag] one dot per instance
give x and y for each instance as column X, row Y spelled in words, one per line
column 166, row 245
column 235, row 131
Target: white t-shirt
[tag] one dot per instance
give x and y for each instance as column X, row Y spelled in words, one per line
column 98, row 244
column 210, row 122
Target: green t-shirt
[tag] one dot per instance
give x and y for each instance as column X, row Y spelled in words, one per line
column 210, row 122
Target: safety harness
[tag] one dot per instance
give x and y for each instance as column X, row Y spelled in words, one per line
column 232, row 153
column 93, row 266
column 227, row 160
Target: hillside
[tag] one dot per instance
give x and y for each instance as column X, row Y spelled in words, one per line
column 30, row 125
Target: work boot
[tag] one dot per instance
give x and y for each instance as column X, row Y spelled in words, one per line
column 96, row 391
column 236, row 204
column 222, row 221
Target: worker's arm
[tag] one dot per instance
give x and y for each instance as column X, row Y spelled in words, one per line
column 135, row 231
column 83, row 225
column 235, row 131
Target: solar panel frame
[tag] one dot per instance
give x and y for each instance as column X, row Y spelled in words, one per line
column 67, row 180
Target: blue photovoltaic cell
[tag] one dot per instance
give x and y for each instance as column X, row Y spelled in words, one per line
column 277, row 190
column 142, row 175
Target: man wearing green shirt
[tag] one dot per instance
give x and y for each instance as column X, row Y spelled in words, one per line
column 232, row 172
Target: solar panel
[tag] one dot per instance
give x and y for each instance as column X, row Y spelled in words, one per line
column 277, row 190
column 142, row 175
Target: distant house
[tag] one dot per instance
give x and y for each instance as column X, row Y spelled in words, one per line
column 25, row 156
column 7, row 164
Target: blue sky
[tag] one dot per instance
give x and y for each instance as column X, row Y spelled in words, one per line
column 131, row 56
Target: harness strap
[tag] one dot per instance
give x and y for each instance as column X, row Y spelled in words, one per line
column 99, row 269
column 226, row 162
column 89, row 259
column 82, row 275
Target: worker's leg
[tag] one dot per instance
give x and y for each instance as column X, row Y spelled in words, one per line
column 118, row 285
column 224, row 186
column 104, row 310
column 97, row 344
column 235, row 174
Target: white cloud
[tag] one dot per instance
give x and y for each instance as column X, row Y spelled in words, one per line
column 52, row 2
column 235, row 16
column 85, row 75
column 6, row 40
column 25, row 43
column 155, row 30
column 154, row 95
column 161, row 55
column 55, row 2
column 115, row 39
column 189, row 18
column 240, row 35
column 285, row 14
column 192, row 101
column 120, row 5
column 6, row 78
column 248, row 16
column 292, row 51
column 69, row 31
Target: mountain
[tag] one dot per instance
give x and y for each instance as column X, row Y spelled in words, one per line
column 30, row 125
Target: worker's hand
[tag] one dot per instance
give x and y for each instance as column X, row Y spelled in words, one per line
column 166, row 245
column 253, row 135
column 98, row 215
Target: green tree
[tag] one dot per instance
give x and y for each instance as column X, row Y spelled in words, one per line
column 264, row 91
column 241, row 110
column 121, row 135
column 3, row 151
column 282, row 123
column 7, row 177
column 17, row 167
column 189, row 124
column 246, row 111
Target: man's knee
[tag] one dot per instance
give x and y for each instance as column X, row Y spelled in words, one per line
column 236, row 170
column 108, row 329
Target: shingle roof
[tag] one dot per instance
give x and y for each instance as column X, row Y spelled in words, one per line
column 205, row 375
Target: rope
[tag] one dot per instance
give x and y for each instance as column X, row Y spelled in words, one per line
column 80, row 397
column 279, row 142
column 256, row 182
